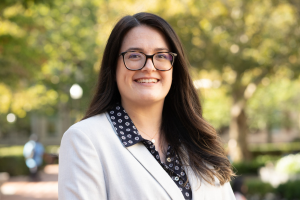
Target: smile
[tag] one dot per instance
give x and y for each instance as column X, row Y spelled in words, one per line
column 147, row 80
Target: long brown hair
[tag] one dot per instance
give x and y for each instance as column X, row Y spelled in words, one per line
column 194, row 140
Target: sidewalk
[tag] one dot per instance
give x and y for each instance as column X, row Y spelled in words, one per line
column 19, row 188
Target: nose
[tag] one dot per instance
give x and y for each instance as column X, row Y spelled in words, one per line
column 149, row 66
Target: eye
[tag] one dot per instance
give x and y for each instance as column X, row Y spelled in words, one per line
column 163, row 56
column 133, row 55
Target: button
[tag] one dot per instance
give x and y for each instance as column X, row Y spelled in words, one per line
column 176, row 178
column 169, row 159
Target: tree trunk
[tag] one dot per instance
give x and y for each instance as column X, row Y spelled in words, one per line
column 238, row 132
column 269, row 133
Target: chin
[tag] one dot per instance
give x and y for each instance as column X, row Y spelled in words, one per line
column 148, row 99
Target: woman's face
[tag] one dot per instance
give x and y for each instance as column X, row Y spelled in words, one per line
column 148, row 85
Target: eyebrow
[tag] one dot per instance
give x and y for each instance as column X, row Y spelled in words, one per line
column 141, row 49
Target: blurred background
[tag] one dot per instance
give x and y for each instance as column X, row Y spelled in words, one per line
column 245, row 62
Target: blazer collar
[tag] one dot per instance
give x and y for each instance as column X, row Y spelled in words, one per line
column 144, row 157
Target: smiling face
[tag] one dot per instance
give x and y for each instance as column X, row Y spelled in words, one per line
column 148, row 85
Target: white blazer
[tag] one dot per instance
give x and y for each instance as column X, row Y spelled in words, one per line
column 94, row 165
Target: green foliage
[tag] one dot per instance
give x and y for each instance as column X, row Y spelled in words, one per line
column 13, row 162
column 12, row 70
column 269, row 108
column 25, row 3
column 21, row 58
column 289, row 190
column 14, row 165
column 245, row 42
column 22, row 125
column 247, row 167
column 271, row 147
column 256, row 186
column 241, row 36
column 288, row 164
column 48, row 47
column 252, row 167
column 216, row 107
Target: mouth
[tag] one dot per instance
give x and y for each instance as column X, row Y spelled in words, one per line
column 144, row 80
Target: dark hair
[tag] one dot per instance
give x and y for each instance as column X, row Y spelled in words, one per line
column 194, row 140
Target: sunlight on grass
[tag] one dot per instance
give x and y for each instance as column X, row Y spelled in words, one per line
column 18, row 150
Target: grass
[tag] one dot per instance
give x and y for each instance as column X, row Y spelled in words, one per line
column 18, row 150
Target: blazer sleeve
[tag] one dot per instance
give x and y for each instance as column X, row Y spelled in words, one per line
column 81, row 174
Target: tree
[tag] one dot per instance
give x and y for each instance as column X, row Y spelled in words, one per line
column 274, row 104
column 20, row 57
column 246, row 41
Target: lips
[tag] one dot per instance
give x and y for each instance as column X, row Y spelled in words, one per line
column 147, row 80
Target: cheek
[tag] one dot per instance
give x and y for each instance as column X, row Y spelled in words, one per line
column 119, row 76
column 120, row 73
column 123, row 76
column 168, row 77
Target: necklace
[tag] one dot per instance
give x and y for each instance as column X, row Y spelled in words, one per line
column 152, row 138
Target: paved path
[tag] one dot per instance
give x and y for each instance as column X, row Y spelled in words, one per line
column 19, row 188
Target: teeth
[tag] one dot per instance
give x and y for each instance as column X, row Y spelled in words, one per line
column 147, row 80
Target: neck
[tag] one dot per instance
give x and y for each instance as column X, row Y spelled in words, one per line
column 147, row 118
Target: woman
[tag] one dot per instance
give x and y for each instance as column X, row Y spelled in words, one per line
column 143, row 136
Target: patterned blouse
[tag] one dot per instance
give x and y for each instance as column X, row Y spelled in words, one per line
column 129, row 135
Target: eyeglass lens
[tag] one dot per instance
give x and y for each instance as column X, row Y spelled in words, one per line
column 136, row 60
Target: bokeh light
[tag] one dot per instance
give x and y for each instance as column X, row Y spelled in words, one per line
column 11, row 118
column 76, row 91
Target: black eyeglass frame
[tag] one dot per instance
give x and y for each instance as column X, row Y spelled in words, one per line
column 148, row 56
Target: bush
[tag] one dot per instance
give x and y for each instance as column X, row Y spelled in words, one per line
column 256, row 186
column 252, row 167
column 260, row 190
column 289, row 190
column 14, row 165
column 247, row 168
column 12, row 160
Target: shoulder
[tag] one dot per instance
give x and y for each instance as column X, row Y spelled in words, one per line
column 95, row 128
column 89, row 123
column 92, row 124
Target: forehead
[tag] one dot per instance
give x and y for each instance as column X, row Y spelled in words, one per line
column 145, row 38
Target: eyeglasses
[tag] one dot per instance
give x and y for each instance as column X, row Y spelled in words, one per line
column 162, row 61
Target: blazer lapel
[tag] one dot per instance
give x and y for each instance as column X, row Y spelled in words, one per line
column 143, row 156
column 195, row 183
column 205, row 191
